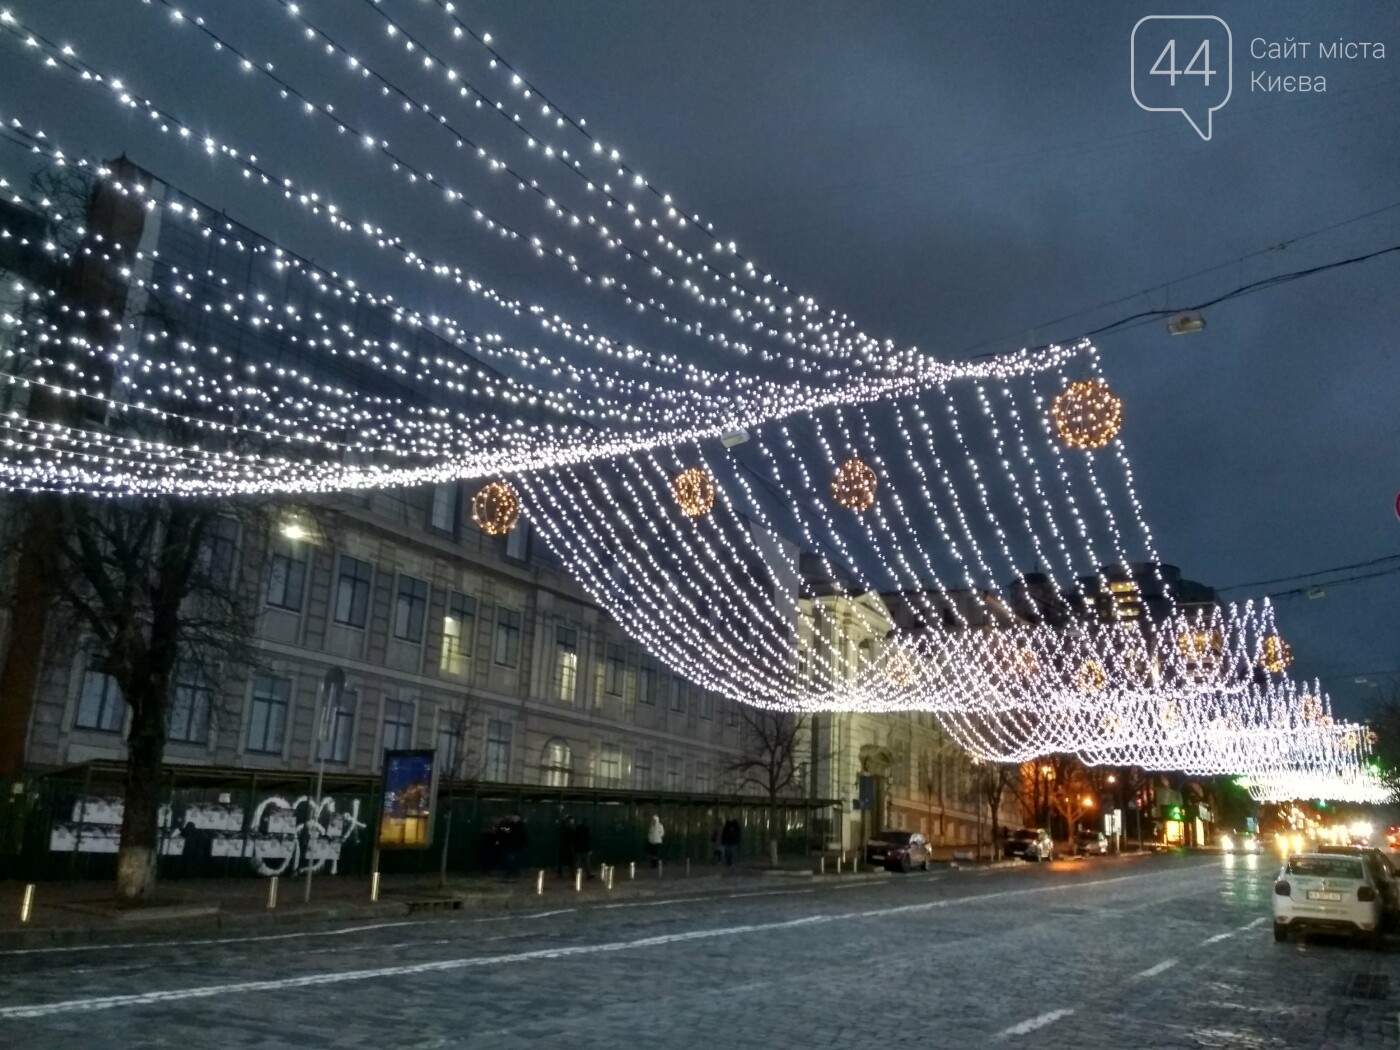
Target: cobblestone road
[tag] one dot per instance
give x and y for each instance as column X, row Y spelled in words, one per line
column 1151, row 953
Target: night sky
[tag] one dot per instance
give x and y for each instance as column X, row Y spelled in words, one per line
column 967, row 178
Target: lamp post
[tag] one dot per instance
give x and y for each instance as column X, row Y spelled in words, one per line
column 329, row 696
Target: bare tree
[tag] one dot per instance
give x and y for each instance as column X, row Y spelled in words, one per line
column 768, row 759
column 994, row 780
column 151, row 588
column 1071, row 793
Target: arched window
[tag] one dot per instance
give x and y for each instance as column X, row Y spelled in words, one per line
column 556, row 764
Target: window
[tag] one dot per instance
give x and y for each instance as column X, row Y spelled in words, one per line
column 286, row 575
column 616, row 671
column 610, row 766
column 677, row 695
column 675, row 770
column 410, row 606
column 641, row 770
column 216, row 553
column 703, row 779
column 498, row 736
column 457, row 629
column 647, row 681
column 398, row 725
column 443, row 515
column 518, row 542
column 556, row 764
column 99, row 703
column 451, row 734
column 188, row 719
column 507, row 637
column 731, row 715
column 340, row 727
column 352, row 591
column 707, row 705
column 566, row 662
column 267, row 719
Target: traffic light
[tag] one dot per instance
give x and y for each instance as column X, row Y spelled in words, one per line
column 1322, row 803
column 1173, row 812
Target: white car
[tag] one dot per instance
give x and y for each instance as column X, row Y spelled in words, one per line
column 1328, row 892
column 1242, row 844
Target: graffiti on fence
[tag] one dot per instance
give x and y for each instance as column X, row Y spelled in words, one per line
column 274, row 838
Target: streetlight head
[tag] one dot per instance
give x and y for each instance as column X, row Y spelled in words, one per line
column 1186, row 324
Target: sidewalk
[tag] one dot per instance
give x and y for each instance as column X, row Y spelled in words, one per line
column 87, row 912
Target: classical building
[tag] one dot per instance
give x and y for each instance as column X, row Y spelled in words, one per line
column 477, row 645
column 894, row 770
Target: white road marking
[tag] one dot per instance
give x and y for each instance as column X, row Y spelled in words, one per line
column 211, row 940
column 1257, row 922
column 1153, row 971
column 316, row 979
column 1031, row 1024
column 1219, row 937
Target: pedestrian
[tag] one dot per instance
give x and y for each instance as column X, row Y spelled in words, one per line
column 583, row 848
column 515, row 839
column 565, row 866
column 729, row 840
column 656, row 833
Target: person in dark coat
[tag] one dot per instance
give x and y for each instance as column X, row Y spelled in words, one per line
column 583, row 848
column 729, row 840
column 567, row 832
column 514, row 840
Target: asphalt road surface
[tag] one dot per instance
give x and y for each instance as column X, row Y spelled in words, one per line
column 1171, row 951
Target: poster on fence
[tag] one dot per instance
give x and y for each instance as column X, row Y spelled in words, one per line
column 410, row 793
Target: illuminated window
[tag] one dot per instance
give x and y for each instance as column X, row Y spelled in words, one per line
column 566, row 663
column 556, row 764
column 457, row 629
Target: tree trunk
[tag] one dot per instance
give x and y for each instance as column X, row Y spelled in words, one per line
column 140, row 841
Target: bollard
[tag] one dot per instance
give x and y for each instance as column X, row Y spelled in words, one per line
column 26, row 906
column 855, row 865
column 823, row 866
column 272, row 892
column 610, row 876
column 374, row 886
column 632, row 870
column 578, row 879
column 687, row 867
column 659, row 863
column 838, row 864
column 539, row 884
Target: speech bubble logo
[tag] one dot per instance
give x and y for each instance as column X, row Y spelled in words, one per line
column 1182, row 64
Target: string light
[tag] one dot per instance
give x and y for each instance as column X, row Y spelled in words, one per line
column 853, row 485
column 1087, row 414
column 496, row 508
column 694, row 490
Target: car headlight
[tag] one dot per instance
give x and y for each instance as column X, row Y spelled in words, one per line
column 1227, row 843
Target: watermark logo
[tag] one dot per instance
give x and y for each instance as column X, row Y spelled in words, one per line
column 1182, row 64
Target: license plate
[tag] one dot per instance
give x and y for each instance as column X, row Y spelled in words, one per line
column 1323, row 895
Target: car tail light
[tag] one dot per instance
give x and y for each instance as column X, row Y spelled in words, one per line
column 1283, row 889
column 1365, row 893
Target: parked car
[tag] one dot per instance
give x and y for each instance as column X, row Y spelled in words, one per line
column 899, row 851
column 1030, row 844
column 1383, row 873
column 1329, row 892
column 1094, row 843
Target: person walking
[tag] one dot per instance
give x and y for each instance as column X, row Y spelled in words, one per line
column 656, row 834
column 729, row 840
column 564, row 868
column 583, row 848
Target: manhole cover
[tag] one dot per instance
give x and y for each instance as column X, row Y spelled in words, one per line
column 1369, row 986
